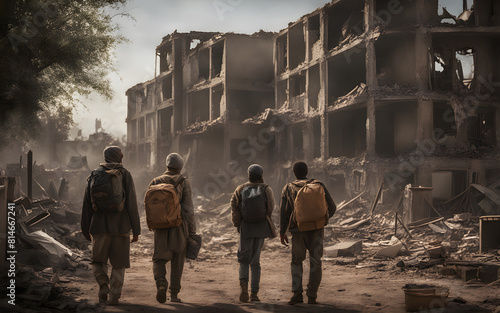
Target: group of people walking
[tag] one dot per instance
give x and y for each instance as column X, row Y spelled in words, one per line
column 110, row 216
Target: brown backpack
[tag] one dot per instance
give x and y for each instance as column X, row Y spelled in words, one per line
column 310, row 207
column 163, row 209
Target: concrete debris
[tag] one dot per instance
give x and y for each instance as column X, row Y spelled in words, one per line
column 346, row 248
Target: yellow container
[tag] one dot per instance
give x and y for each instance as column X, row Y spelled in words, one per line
column 425, row 297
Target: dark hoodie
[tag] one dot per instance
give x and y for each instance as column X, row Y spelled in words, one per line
column 119, row 223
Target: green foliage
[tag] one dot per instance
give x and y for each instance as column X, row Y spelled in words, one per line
column 53, row 51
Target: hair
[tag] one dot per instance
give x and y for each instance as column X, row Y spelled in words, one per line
column 300, row 169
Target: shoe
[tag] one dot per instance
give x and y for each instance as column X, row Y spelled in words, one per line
column 161, row 294
column 113, row 299
column 296, row 298
column 244, row 292
column 311, row 300
column 254, row 297
column 174, row 298
column 103, row 293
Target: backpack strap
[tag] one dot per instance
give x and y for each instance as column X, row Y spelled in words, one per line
column 179, row 181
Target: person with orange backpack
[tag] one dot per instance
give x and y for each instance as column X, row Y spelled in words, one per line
column 109, row 212
column 252, row 206
column 306, row 206
column 170, row 214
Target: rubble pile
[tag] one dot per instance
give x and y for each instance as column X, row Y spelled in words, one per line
column 438, row 245
column 220, row 238
column 51, row 249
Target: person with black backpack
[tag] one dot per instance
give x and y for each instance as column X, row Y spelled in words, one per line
column 109, row 213
column 306, row 206
column 252, row 206
column 170, row 214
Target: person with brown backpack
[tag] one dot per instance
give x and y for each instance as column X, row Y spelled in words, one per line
column 306, row 206
column 170, row 214
column 109, row 213
column 252, row 206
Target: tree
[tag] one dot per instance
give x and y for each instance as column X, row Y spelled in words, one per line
column 51, row 52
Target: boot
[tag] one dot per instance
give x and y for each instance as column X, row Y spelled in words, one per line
column 254, row 297
column 103, row 293
column 296, row 298
column 161, row 294
column 311, row 300
column 244, row 291
column 174, row 298
column 113, row 299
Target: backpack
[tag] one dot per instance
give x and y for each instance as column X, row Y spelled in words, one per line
column 162, row 205
column 106, row 190
column 310, row 207
column 254, row 204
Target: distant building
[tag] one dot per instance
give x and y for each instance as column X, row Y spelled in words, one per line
column 366, row 91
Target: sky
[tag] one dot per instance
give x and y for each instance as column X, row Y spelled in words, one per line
column 154, row 19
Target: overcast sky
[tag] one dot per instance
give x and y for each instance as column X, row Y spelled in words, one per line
column 155, row 19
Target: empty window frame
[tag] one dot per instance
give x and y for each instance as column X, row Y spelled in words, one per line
column 347, row 133
column 314, row 87
column 465, row 68
column 204, row 64
column 396, row 125
column 346, row 72
column 282, row 93
column 166, row 60
column 142, row 127
column 217, row 58
column 199, row 106
column 150, row 125
column 345, row 20
column 297, row 45
column 165, row 120
column 217, row 98
column 166, row 86
column 313, row 32
column 282, row 53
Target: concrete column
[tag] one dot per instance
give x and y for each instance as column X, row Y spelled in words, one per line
column 371, row 66
column 324, row 137
column 369, row 15
column 425, row 122
column 370, row 127
column 423, row 43
column 424, row 176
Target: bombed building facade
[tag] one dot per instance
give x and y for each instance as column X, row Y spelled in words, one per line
column 366, row 91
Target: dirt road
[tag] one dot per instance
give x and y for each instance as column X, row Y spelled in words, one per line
column 210, row 284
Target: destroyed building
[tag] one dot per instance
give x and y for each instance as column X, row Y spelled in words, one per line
column 365, row 91
column 196, row 103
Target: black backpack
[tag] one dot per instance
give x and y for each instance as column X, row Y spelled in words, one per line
column 106, row 190
column 254, row 204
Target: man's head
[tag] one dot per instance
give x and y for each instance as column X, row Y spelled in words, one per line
column 300, row 170
column 113, row 154
column 174, row 162
column 255, row 172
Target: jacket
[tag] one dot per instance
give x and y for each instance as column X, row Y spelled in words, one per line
column 251, row 230
column 288, row 196
column 185, row 197
column 119, row 223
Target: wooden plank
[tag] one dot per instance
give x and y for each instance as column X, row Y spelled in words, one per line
column 350, row 201
column 379, row 193
column 417, row 224
column 404, row 226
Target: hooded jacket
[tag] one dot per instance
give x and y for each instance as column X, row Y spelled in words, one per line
column 119, row 223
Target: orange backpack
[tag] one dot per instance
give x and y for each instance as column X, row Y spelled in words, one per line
column 310, row 207
column 163, row 209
